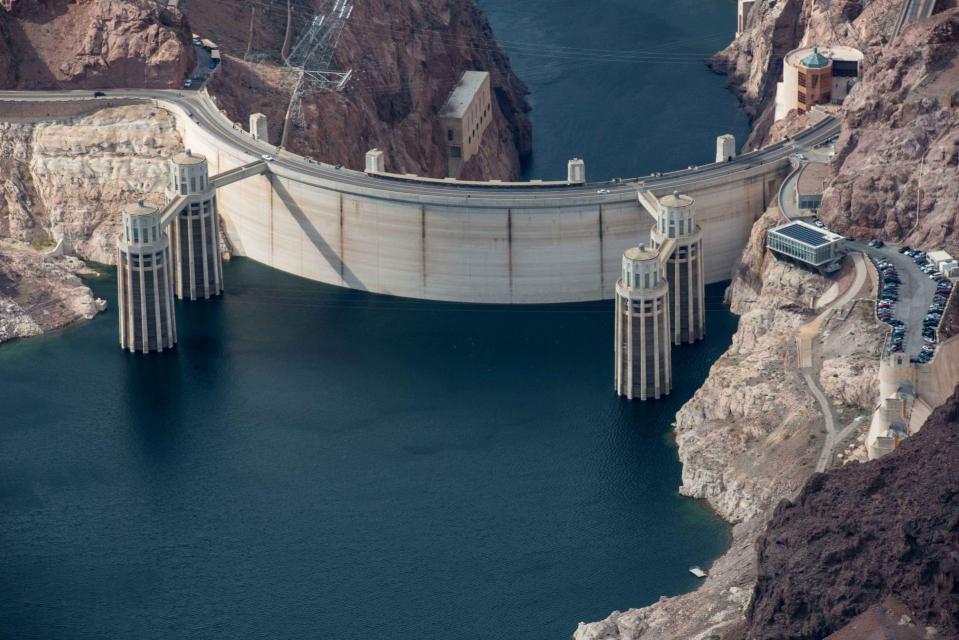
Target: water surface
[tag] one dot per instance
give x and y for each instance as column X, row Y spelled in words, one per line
column 313, row 461
column 620, row 83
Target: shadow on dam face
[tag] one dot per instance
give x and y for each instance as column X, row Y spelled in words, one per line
column 335, row 261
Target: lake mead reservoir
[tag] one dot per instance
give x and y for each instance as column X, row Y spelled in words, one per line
column 311, row 460
column 318, row 462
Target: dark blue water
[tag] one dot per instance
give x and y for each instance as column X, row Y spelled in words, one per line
column 620, row 83
column 315, row 462
column 312, row 462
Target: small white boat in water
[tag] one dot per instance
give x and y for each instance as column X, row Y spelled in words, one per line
column 696, row 571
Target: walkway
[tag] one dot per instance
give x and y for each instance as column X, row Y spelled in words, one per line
column 807, row 362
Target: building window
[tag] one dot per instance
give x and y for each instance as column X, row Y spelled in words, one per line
column 449, row 135
column 454, row 152
column 802, row 79
column 802, row 98
column 815, row 81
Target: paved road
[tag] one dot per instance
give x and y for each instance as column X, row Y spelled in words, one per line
column 915, row 293
column 479, row 194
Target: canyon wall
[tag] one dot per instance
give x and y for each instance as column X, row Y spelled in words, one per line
column 69, row 178
column 66, row 180
column 406, row 58
column 897, row 158
column 748, row 438
column 751, row 435
column 86, row 44
column 862, row 532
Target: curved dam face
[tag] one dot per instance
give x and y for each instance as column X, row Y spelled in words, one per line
column 446, row 240
column 500, row 248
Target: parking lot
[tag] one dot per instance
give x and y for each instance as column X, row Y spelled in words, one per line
column 909, row 299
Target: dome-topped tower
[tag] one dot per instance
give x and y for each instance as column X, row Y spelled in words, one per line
column 642, row 344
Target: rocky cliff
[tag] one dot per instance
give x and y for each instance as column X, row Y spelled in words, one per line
column 406, row 57
column 39, row 293
column 752, row 434
column 859, row 534
column 753, row 61
column 864, row 532
column 92, row 44
column 66, row 180
column 898, row 154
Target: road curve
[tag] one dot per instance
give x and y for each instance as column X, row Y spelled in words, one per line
column 202, row 109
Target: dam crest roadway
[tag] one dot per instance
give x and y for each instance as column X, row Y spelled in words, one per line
column 444, row 239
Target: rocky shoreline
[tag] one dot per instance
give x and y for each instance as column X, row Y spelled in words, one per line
column 749, row 437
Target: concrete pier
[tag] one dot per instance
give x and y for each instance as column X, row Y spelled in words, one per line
column 680, row 241
column 144, row 282
column 643, row 367
column 195, row 232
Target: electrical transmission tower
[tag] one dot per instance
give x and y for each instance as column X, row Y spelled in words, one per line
column 312, row 57
column 313, row 54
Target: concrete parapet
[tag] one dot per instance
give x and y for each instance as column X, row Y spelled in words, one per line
column 375, row 161
column 576, row 171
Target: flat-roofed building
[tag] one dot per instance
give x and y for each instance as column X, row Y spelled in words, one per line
column 817, row 75
column 807, row 244
column 465, row 117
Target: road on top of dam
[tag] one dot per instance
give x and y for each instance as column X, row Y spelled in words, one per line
column 201, row 109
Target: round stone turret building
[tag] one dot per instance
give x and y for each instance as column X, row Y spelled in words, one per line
column 677, row 234
column 643, row 349
column 144, row 282
column 195, row 232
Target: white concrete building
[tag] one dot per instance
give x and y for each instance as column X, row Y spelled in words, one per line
column 258, row 127
column 465, row 117
column 817, row 75
column 642, row 341
column 725, row 147
column 144, row 282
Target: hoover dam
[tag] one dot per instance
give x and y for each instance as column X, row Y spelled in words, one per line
column 444, row 239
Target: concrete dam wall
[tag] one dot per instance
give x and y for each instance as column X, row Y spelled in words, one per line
column 507, row 247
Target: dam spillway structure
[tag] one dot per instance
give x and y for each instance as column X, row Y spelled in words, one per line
column 680, row 242
column 145, row 282
column 643, row 347
column 195, row 229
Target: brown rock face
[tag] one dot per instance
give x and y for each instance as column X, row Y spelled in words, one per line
column 92, row 44
column 406, row 58
column 862, row 532
column 898, row 154
column 753, row 61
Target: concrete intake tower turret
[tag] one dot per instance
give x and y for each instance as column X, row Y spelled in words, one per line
column 145, row 282
column 643, row 349
column 677, row 235
column 195, row 230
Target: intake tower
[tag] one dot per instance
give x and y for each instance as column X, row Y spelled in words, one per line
column 643, row 350
column 144, row 282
